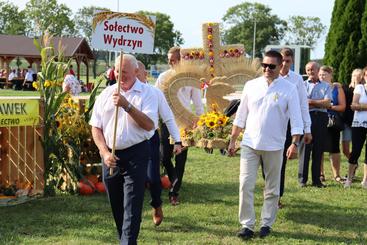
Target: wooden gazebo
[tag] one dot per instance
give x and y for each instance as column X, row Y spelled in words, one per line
column 13, row 46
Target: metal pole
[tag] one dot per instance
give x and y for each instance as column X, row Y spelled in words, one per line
column 254, row 41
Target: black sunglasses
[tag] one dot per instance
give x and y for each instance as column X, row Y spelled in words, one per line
column 271, row 66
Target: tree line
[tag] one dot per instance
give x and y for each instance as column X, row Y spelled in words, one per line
column 346, row 42
column 239, row 21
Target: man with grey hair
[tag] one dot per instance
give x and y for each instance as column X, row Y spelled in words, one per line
column 319, row 98
column 137, row 117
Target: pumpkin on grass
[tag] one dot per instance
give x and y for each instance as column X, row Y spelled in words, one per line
column 86, row 187
column 100, row 187
column 93, row 178
column 166, row 184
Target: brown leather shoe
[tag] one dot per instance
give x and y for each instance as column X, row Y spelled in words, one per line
column 157, row 215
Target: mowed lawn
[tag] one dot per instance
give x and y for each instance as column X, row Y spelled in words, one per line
column 207, row 213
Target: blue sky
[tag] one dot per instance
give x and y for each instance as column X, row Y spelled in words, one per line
column 188, row 15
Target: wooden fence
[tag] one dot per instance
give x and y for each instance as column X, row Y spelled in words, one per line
column 21, row 155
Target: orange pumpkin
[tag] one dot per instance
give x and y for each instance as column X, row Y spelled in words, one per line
column 85, row 189
column 88, row 182
column 100, row 187
column 166, row 184
column 93, row 178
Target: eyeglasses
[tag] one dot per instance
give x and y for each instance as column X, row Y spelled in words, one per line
column 271, row 66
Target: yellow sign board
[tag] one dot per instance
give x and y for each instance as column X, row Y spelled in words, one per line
column 19, row 112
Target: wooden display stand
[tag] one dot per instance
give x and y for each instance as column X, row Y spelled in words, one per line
column 21, row 155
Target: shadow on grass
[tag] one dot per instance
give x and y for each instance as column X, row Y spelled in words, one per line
column 338, row 218
column 197, row 193
column 58, row 217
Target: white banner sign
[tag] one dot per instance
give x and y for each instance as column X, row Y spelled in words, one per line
column 131, row 33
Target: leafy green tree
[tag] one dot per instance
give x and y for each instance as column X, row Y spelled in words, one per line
column 48, row 15
column 350, row 61
column 11, row 19
column 347, row 22
column 338, row 10
column 83, row 21
column 362, row 44
column 83, row 26
column 239, row 26
column 304, row 30
column 165, row 37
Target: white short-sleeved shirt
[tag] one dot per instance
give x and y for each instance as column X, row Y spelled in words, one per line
column 360, row 117
column 297, row 80
column 186, row 95
column 264, row 112
column 29, row 75
column 129, row 133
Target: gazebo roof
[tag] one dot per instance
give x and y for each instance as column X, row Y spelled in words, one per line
column 14, row 46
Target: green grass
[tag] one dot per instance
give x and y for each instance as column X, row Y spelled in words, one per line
column 207, row 213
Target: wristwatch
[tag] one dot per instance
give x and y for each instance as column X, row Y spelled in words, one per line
column 128, row 107
column 178, row 143
column 296, row 144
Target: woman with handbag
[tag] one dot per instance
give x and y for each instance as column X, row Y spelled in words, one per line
column 335, row 122
column 359, row 131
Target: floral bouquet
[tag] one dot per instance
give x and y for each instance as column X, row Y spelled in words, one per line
column 213, row 130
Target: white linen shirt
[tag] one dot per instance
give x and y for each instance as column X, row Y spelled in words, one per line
column 128, row 133
column 185, row 95
column 264, row 112
column 297, row 80
column 165, row 113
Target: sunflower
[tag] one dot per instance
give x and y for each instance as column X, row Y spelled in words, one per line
column 210, row 122
column 222, row 120
column 201, row 122
column 182, row 132
column 35, row 85
column 47, row 84
column 58, row 124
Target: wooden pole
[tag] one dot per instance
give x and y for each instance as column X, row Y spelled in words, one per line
column 116, row 110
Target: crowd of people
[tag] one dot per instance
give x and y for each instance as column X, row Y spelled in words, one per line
column 301, row 113
column 20, row 78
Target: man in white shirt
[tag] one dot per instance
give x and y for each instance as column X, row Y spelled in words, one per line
column 137, row 117
column 12, row 75
column 167, row 117
column 28, row 78
column 297, row 80
column 185, row 95
column 266, row 105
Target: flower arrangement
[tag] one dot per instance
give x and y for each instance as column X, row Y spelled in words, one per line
column 212, row 130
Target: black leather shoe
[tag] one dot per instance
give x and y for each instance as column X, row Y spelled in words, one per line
column 264, row 231
column 245, row 233
column 319, row 185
